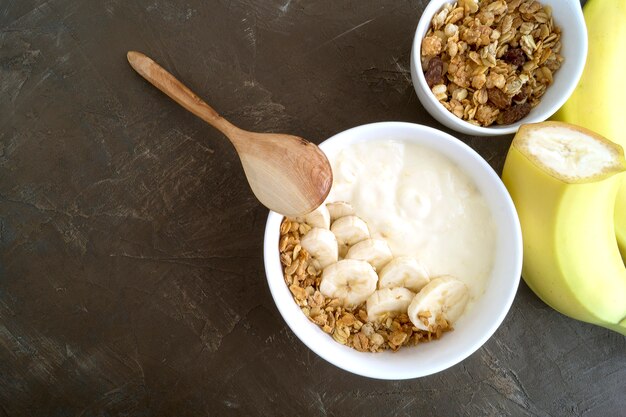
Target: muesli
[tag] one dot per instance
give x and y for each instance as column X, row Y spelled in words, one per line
column 347, row 325
column 491, row 61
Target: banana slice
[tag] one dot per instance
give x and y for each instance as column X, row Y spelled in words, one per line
column 349, row 230
column 322, row 246
column 374, row 251
column 320, row 217
column 443, row 297
column 404, row 272
column 339, row 209
column 349, row 280
column 388, row 300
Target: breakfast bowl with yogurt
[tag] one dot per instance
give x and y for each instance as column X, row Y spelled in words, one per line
column 412, row 262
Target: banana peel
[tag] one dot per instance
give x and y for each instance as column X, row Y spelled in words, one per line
column 620, row 218
column 571, row 258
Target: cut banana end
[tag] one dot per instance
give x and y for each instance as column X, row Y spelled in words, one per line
column 569, row 153
column 388, row 301
column 374, row 251
column 321, row 244
column 404, row 272
column 563, row 183
column 442, row 298
column 339, row 209
column 349, row 230
column 320, row 217
column 349, row 280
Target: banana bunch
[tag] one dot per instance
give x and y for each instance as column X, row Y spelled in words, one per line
column 564, row 180
column 597, row 102
column 360, row 269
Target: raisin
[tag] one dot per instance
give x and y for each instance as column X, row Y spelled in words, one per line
column 521, row 97
column 514, row 113
column 515, row 57
column 434, row 72
column 499, row 98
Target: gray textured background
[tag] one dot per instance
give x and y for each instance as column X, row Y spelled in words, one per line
column 131, row 275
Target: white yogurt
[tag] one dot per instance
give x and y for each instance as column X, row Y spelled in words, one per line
column 421, row 204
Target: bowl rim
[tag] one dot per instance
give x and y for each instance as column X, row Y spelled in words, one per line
column 278, row 287
column 461, row 125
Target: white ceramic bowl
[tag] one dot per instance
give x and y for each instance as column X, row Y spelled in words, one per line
column 474, row 327
column 567, row 15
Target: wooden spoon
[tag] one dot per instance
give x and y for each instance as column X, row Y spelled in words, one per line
column 288, row 174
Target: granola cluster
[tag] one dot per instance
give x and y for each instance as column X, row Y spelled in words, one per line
column 490, row 61
column 348, row 326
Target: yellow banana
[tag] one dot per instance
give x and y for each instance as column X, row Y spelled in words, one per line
column 563, row 180
column 620, row 218
column 598, row 101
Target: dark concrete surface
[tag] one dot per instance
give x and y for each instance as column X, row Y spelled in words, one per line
column 131, row 274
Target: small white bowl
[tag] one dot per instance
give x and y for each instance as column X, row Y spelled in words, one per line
column 567, row 15
column 475, row 327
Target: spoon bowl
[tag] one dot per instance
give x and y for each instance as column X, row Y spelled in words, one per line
column 287, row 174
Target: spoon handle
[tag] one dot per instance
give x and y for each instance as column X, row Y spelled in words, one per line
column 178, row 92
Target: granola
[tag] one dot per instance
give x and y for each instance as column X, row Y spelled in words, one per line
column 348, row 326
column 491, row 61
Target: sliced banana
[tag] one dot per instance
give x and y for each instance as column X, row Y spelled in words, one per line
column 403, row 271
column 374, row 251
column 349, row 280
column 349, row 230
column 388, row 301
column 339, row 209
column 443, row 297
column 320, row 217
column 321, row 244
